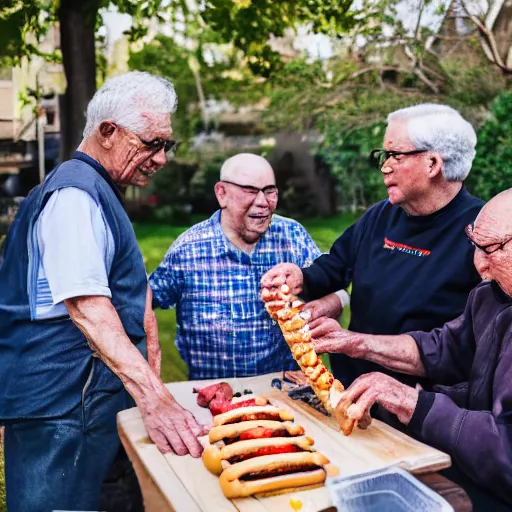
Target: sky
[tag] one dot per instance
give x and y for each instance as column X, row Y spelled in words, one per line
column 115, row 24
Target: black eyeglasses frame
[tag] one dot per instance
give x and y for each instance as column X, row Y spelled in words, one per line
column 485, row 248
column 255, row 190
column 376, row 154
column 154, row 145
column 158, row 144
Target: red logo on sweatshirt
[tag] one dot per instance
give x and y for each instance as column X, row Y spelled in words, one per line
column 395, row 246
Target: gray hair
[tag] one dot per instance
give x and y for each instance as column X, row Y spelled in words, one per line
column 122, row 99
column 442, row 129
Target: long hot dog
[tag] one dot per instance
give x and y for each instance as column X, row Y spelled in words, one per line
column 270, row 473
column 293, row 321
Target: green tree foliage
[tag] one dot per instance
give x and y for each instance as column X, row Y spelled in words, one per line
column 219, row 80
column 248, row 24
column 346, row 152
column 492, row 168
column 22, row 23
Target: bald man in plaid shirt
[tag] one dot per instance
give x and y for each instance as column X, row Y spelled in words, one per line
column 212, row 274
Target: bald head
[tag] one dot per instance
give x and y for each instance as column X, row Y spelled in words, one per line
column 498, row 213
column 502, row 203
column 245, row 167
column 492, row 236
column 247, row 195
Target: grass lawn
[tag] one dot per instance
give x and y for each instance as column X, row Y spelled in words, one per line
column 154, row 240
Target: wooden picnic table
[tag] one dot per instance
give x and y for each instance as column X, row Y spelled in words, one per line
column 181, row 484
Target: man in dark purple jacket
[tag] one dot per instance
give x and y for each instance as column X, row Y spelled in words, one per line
column 469, row 412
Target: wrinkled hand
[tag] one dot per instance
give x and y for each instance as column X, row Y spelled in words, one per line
column 284, row 273
column 171, row 427
column 397, row 398
column 328, row 336
column 330, row 306
column 324, row 326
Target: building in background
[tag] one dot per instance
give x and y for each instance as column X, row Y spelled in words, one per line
column 26, row 93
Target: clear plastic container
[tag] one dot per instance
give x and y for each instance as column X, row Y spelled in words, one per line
column 384, row 490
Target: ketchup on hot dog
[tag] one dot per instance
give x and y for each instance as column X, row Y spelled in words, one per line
column 269, row 450
column 262, row 432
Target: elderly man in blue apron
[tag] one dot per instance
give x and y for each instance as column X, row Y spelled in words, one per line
column 75, row 310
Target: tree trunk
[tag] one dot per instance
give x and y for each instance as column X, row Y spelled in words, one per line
column 77, row 28
column 503, row 33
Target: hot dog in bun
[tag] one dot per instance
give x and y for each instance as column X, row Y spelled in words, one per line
column 270, row 473
column 267, row 412
column 216, row 458
column 256, row 429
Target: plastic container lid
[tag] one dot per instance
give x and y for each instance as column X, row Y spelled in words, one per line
column 385, row 490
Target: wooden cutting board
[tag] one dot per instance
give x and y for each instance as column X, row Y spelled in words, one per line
column 188, row 486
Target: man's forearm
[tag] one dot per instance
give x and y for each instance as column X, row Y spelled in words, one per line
column 98, row 320
column 151, row 329
column 398, row 353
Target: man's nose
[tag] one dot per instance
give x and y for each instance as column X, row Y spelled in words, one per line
column 261, row 199
column 159, row 158
column 385, row 168
column 481, row 261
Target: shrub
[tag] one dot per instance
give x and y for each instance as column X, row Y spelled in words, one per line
column 492, row 168
column 346, row 151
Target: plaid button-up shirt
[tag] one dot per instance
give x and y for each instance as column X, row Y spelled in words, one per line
column 223, row 329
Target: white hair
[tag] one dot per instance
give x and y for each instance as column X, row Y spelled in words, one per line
column 122, row 99
column 442, row 129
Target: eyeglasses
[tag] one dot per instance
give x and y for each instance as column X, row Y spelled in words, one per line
column 378, row 156
column 158, row 144
column 270, row 191
column 489, row 248
column 155, row 145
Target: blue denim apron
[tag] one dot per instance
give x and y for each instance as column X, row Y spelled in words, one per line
column 58, row 402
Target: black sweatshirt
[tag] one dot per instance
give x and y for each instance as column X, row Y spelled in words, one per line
column 408, row 273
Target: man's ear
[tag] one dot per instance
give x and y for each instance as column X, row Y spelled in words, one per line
column 435, row 165
column 220, row 193
column 106, row 133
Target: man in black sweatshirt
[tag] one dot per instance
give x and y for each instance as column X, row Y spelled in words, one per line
column 468, row 414
column 409, row 262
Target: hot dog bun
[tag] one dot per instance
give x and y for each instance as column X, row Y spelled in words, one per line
column 340, row 406
column 341, row 410
column 287, row 470
column 266, row 412
column 216, row 458
column 234, row 430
